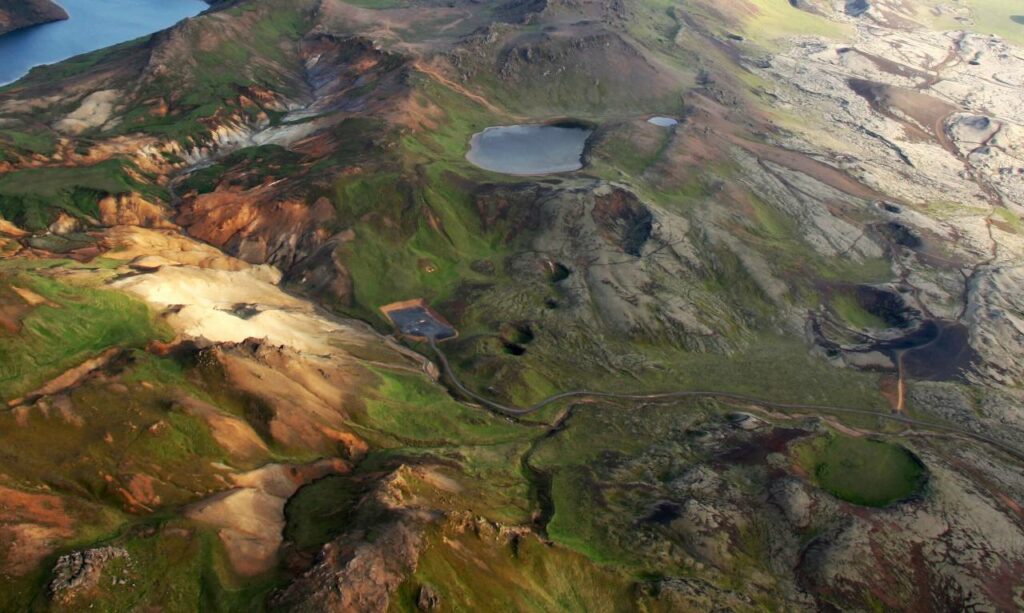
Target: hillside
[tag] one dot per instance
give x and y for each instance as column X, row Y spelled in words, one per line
column 758, row 346
column 17, row 14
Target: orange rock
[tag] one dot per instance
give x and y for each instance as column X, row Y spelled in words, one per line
column 132, row 210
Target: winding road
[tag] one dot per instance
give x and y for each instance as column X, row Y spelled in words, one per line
column 510, row 411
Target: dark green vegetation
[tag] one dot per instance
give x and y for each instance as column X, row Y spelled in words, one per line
column 322, row 510
column 863, row 471
column 849, row 310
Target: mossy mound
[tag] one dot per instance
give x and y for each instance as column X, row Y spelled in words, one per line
column 863, row 471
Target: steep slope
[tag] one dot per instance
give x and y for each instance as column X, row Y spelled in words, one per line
column 199, row 230
column 18, row 14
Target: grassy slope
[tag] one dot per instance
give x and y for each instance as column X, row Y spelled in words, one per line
column 846, row 306
column 410, row 410
column 182, row 566
column 79, row 323
column 428, row 181
column 152, row 437
column 415, row 421
column 174, row 564
column 482, row 573
column 1003, row 18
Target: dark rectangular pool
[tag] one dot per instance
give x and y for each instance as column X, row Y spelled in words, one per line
column 415, row 319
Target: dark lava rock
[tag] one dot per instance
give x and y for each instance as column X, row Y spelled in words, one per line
column 899, row 234
column 622, row 218
column 856, row 8
column 428, row 598
column 484, row 267
column 887, row 305
column 664, row 513
column 18, row 14
column 323, row 275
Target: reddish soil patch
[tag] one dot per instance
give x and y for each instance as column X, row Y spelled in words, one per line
column 889, row 387
column 31, row 527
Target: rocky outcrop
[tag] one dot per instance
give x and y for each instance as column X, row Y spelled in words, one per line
column 78, row 572
column 360, row 570
column 323, row 275
column 94, row 111
column 257, row 225
column 995, row 315
column 132, row 209
column 357, row 575
column 620, row 266
column 250, row 518
column 17, row 14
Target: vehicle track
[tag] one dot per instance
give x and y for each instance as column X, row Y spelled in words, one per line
column 510, row 411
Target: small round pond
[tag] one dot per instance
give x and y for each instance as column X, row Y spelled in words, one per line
column 530, row 149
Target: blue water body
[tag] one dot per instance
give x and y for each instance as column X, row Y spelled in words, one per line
column 94, row 24
column 529, row 149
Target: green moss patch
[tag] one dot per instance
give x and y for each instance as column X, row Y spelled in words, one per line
column 863, row 471
column 409, row 410
column 321, row 510
column 845, row 305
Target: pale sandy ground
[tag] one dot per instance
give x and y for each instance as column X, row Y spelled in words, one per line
column 203, row 301
column 199, row 288
column 251, row 517
column 94, row 111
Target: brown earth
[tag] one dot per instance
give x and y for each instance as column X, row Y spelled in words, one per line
column 32, row 526
column 17, row 14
